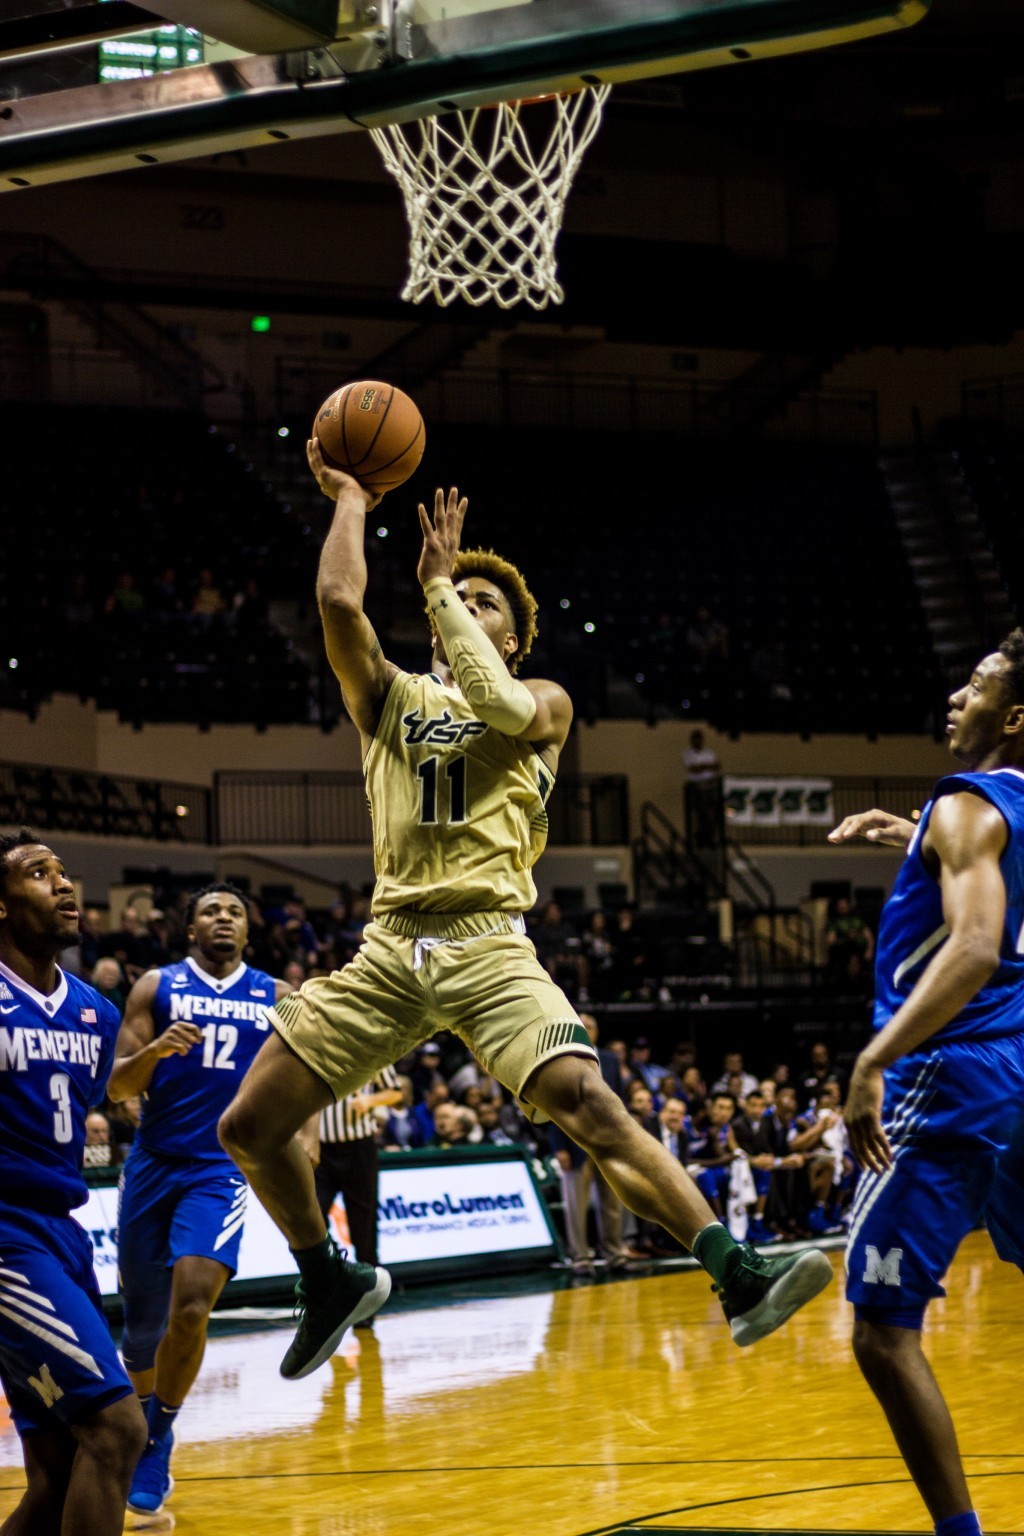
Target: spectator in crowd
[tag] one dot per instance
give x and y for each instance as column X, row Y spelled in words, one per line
column 125, row 601
column 470, row 1075
column 515, row 1124
column 90, row 926
column 767, row 1086
column 641, row 1066
column 469, row 1123
column 652, row 1241
column 721, row 1149
column 822, row 1142
column 401, row 1130
column 788, row 1197
column 108, row 979
column 156, row 938
column 732, row 1064
column 489, row 1119
column 780, row 1074
column 640, row 1103
column 300, row 931
column 426, row 1072
column 207, row 602
column 424, row 1113
column 166, row 596
column 294, row 973
column 751, row 1136
column 629, row 958
column 450, row 1128
column 820, row 1072
column 702, row 793
column 693, row 1087
column 559, row 949
column 683, row 1057
column 849, row 942
column 671, row 1127
column 128, row 944
column 598, row 953
column 79, row 608
column 98, row 1151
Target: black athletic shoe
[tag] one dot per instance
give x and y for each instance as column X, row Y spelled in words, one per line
column 359, row 1291
column 764, row 1292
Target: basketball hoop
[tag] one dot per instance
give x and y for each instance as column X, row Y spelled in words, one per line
column 485, row 193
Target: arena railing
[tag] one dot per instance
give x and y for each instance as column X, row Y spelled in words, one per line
column 102, row 804
column 1000, row 396
column 264, row 809
column 325, row 807
column 523, row 398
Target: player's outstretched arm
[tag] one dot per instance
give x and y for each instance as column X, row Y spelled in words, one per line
column 139, row 1048
column 968, row 836
column 875, row 827
column 353, row 649
column 536, row 711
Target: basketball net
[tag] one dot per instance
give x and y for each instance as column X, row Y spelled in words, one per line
column 485, row 193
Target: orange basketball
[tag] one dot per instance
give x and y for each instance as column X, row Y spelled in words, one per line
column 372, row 431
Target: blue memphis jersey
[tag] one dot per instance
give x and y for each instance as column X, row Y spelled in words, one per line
column 56, row 1053
column 188, row 1094
column 913, row 926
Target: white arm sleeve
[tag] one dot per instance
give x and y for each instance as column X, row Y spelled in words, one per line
column 479, row 671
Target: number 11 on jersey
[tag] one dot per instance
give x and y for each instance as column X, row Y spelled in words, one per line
column 455, row 773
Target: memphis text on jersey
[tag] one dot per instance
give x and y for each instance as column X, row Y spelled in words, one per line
column 189, row 1006
column 22, row 1045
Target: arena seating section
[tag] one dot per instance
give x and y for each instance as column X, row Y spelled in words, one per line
column 991, row 458
column 792, row 547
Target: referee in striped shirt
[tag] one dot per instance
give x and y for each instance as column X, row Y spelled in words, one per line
column 349, row 1159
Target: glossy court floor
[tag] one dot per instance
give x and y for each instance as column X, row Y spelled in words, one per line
column 598, row 1407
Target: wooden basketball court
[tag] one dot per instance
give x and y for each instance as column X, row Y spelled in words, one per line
column 596, row 1407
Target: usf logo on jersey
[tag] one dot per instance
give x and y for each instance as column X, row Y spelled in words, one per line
column 440, row 730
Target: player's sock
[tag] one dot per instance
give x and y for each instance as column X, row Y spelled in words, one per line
column 144, row 1403
column 317, row 1266
column 959, row 1525
column 160, row 1418
column 718, row 1251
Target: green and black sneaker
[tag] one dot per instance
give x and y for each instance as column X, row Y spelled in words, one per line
column 358, row 1292
column 762, row 1293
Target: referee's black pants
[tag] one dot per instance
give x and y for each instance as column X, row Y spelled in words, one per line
column 349, row 1168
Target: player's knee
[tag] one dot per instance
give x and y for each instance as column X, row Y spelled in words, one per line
column 238, row 1132
column 191, row 1315
column 879, row 1348
column 116, row 1437
column 589, row 1112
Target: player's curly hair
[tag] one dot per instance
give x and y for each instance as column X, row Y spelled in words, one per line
column 1013, row 649
column 209, row 890
column 8, row 842
column 511, row 583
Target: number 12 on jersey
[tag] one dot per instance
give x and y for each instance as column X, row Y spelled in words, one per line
column 455, row 773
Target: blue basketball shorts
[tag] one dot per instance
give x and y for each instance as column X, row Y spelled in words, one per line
column 953, row 1116
column 170, row 1209
column 713, row 1183
column 58, row 1363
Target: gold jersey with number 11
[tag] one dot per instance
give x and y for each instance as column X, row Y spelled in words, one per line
column 458, row 808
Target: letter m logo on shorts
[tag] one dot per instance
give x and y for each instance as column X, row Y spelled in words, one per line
column 879, row 1271
column 46, row 1386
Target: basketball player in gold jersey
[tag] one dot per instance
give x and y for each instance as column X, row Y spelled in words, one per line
column 459, row 763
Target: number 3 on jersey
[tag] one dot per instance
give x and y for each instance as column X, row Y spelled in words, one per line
column 455, row 773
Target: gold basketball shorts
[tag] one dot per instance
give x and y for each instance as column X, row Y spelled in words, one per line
column 475, row 973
